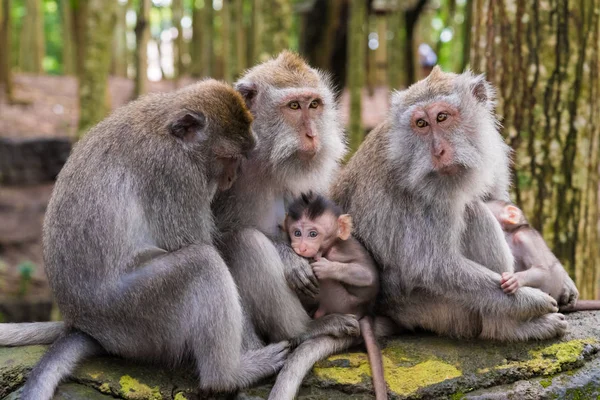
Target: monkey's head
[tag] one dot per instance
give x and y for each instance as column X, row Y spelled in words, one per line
column 510, row 216
column 314, row 223
column 445, row 136
column 300, row 138
column 211, row 123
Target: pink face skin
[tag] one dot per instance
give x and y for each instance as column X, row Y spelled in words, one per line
column 310, row 237
column 301, row 111
column 435, row 123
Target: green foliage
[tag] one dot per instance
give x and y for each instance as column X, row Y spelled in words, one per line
column 26, row 270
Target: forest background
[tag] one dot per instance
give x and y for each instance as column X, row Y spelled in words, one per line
column 64, row 64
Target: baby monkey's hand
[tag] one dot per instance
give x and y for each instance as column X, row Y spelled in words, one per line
column 323, row 268
column 509, row 282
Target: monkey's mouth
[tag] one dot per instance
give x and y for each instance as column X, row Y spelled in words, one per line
column 450, row 170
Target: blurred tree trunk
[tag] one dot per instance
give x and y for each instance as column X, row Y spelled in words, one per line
column 93, row 84
column 226, row 40
column 120, row 54
column 5, row 46
column 255, row 43
column 177, row 9
column 277, row 17
column 79, row 17
column 396, row 49
column 196, row 44
column 546, row 68
column 239, row 39
column 142, row 35
column 32, row 47
column 411, row 17
column 356, row 69
column 68, row 43
column 208, row 37
column 467, row 27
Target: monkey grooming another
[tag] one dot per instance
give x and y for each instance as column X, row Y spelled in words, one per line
column 348, row 278
column 535, row 264
column 128, row 244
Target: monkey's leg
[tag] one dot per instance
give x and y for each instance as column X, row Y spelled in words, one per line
column 507, row 329
column 57, row 363
column 302, row 360
column 255, row 264
column 483, row 240
column 338, row 325
column 202, row 314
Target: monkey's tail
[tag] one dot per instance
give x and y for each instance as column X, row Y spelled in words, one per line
column 302, row 360
column 24, row 334
column 374, row 353
column 58, row 362
column 582, row 305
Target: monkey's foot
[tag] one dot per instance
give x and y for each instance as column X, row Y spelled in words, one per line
column 569, row 295
column 264, row 362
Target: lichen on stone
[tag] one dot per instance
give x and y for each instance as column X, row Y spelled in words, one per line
column 132, row 389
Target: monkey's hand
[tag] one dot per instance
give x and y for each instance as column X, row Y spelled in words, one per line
column 510, row 282
column 298, row 273
column 569, row 294
column 323, row 268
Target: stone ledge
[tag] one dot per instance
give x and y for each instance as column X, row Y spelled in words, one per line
column 417, row 366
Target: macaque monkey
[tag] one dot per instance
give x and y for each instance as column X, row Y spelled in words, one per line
column 128, row 245
column 348, row 278
column 535, row 264
column 415, row 190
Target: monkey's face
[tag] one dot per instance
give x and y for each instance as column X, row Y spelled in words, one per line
column 444, row 134
column 309, row 237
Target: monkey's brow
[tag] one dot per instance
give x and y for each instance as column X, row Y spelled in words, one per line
column 304, row 96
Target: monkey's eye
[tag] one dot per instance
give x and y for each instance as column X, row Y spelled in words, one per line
column 421, row 123
column 314, row 104
column 313, row 234
column 442, row 117
column 294, row 105
column 297, row 233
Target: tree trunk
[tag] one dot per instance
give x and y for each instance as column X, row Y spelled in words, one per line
column 255, row 47
column 5, row 46
column 226, row 40
column 177, row 8
column 142, row 35
column 411, row 17
column 196, row 44
column 208, row 37
column 396, row 49
column 120, row 55
column 356, row 69
column 240, row 38
column 93, row 84
column 277, row 26
column 32, row 47
column 68, row 43
column 543, row 57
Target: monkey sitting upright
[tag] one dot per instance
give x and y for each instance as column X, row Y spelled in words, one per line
column 535, row 264
column 348, row 277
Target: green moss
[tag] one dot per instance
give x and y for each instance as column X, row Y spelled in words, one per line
column 457, row 396
column 179, row 396
column 546, row 382
column 104, row 388
column 551, row 360
column 406, row 380
column 347, row 369
column 132, row 389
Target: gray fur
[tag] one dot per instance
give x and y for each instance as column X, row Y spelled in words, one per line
column 128, row 242
column 26, row 334
column 439, row 249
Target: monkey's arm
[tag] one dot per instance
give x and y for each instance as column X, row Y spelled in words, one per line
column 298, row 272
column 353, row 274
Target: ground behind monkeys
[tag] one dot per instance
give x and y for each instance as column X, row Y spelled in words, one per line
column 348, row 277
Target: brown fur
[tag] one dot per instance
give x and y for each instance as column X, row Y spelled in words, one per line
column 287, row 70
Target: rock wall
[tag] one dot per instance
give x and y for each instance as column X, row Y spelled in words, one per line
column 417, row 366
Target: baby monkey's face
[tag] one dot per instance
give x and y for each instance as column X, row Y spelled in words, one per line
column 311, row 237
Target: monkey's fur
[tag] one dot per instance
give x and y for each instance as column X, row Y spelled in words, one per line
column 299, row 149
column 414, row 190
column 535, row 264
column 128, row 242
column 348, row 276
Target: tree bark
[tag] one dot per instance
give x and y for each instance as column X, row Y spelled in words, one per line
column 356, row 69
column 120, row 54
column 5, row 46
column 32, row 47
column 277, row 17
column 226, row 40
column 177, row 8
column 543, row 57
column 240, row 38
column 208, row 37
column 142, row 35
column 396, row 49
column 79, row 19
column 255, row 46
column 93, row 84
column 196, row 44
column 68, row 43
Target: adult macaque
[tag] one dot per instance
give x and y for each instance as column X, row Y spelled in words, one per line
column 300, row 145
column 128, row 243
column 535, row 264
column 348, row 278
column 414, row 190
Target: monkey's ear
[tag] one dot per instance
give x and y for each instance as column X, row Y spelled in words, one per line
column 248, row 92
column 189, row 126
column 483, row 91
column 513, row 215
column 344, row 226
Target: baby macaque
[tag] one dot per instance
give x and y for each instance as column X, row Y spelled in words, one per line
column 535, row 264
column 348, row 277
